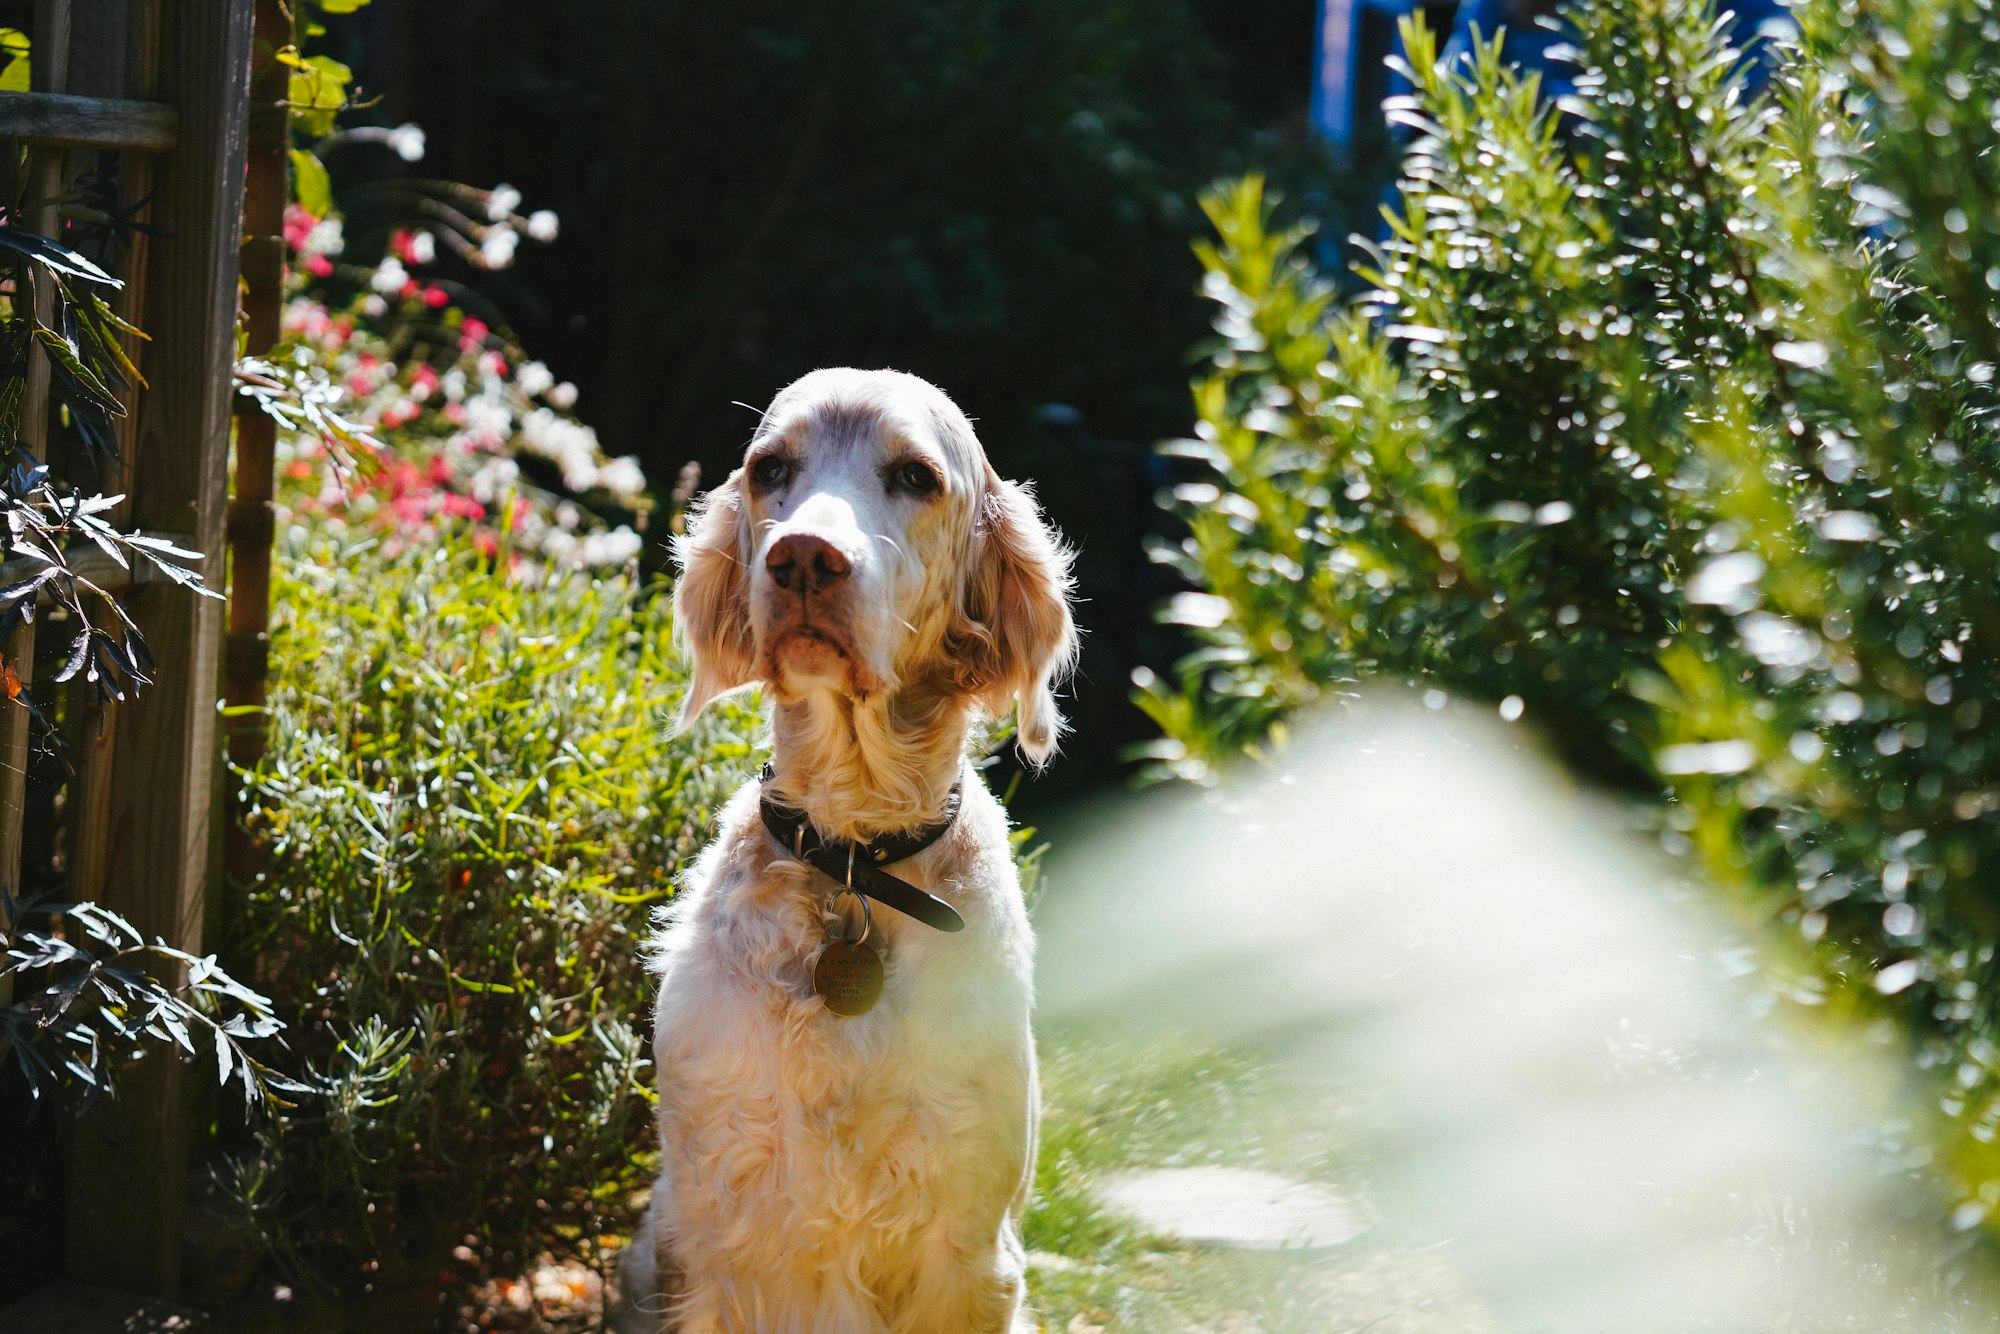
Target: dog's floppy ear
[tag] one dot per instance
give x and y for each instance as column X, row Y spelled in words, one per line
column 1017, row 597
column 712, row 598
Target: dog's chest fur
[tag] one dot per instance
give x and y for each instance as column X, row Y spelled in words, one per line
column 781, row 1121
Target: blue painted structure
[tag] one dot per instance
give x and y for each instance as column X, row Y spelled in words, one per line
column 1343, row 54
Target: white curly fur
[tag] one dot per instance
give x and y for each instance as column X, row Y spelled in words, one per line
column 822, row 1175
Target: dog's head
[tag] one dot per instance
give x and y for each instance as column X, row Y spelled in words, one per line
column 867, row 546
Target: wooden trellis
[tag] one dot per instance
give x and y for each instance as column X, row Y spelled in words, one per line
column 164, row 84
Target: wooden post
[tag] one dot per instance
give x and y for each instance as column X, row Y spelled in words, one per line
column 246, row 655
column 132, row 1156
column 45, row 186
column 132, row 27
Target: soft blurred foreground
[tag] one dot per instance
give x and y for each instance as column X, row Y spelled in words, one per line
column 1570, row 1084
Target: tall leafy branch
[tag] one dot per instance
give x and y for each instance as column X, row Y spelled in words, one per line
column 1667, row 425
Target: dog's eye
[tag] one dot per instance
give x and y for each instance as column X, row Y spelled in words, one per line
column 916, row 478
column 773, row 470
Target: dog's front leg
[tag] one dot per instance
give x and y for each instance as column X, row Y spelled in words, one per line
column 976, row 1291
column 647, row 1289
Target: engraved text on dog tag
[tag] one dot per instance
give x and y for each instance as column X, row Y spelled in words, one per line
column 848, row 977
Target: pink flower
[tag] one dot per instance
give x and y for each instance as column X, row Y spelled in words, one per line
column 319, row 266
column 424, row 383
column 403, row 245
column 435, row 297
column 298, row 226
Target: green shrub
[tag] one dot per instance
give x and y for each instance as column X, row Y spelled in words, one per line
column 472, row 803
column 1669, row 426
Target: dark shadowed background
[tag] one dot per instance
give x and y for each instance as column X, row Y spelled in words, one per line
column 998, row 195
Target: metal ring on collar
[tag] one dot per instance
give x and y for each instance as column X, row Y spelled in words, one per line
column 867, row 913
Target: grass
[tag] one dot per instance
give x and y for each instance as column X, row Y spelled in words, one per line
column 1113, row 1108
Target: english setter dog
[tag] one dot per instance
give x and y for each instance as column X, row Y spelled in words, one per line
column 848, row 1102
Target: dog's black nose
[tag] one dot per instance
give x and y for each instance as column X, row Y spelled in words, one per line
column 800, row 562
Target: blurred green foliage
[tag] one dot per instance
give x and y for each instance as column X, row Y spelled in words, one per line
column 472, row 802
column 1669, row 427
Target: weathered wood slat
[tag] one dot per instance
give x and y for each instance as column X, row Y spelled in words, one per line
column 45, row 186
column 116, row 54
column 18, row 649
column 58, row 120
column 267, row 189
column 129, row 1169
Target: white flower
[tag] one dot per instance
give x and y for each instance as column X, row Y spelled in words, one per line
column 562, row 396
column 496, row 248
column 374, row 307
column 503, row 201
column 487, row 419
column 570, row 445
column 616, row 547
column 390, row 277
column 558, row 545
column 453, row 385
column 493, row 479
column 408, row 141
column 326, row 238
column 534, row 379
column 622, row 476
column 423, row 247
column 543, row 225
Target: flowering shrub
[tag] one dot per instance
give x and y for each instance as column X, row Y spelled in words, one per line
column 443, row 417
column 470, row 798
column 472, row 802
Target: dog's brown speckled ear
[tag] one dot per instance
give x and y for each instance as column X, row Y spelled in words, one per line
column 1019, row 593
column 712, row 599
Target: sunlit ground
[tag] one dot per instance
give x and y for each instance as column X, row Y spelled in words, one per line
column 1411, row 963
column 1175, row 1105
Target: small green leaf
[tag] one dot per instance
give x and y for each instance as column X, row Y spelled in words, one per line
column 310, row 185
column 318, row 90
column 77, row 375
column 14, row 45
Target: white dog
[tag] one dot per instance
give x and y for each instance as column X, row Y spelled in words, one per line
column 847, row 1079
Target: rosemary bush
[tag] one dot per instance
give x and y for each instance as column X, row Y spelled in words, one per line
column 1668, row 427
column 472, row 803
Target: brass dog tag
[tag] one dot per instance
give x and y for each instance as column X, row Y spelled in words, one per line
column 848, row 977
